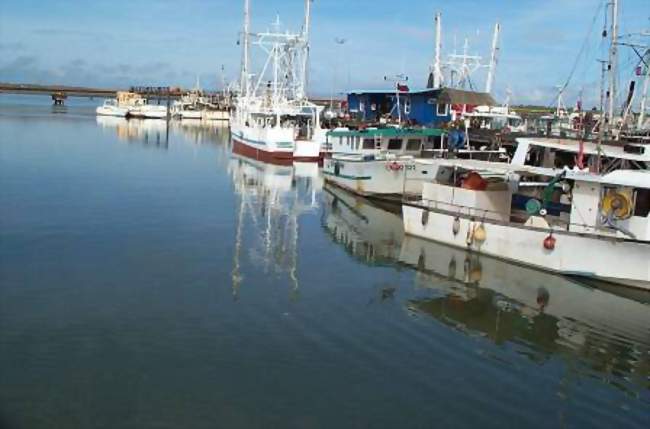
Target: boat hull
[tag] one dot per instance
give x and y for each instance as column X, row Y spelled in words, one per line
column 149, row 112
column 189, row 115
column 216, row 115
column 273, row 145
column 376, row 177
column 119, row 112
column 618, row 261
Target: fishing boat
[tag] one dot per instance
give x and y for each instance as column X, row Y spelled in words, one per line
column 112, row 108
column 495, row 118
column 558, row 152
column 120, row 106
column 377, row 161
column 274, row 120
column 143, row 110
column 375, row 236
column 196, row 105
column 540, row 217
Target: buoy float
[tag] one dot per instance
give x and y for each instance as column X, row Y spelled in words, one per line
column 394, row 166
column 455, row 227
column 549, row 242
column 480, row 234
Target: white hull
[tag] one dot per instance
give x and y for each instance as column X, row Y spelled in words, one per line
column 369, row 178
column 216, row 115
column 374, row 235
column 275, row 142
column 613, row 260
column 120, row 112
column 149, row 112
column 189, row 114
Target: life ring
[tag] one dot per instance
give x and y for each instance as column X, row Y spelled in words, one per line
column 394, row 166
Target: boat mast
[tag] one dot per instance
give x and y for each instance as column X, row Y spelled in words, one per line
column 305, row 59
column 437, row 72
column 644, row 91
column 243, row 84
column 612, row 67
column 493, row 58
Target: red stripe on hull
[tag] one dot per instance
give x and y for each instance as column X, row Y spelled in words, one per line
column 278, row 158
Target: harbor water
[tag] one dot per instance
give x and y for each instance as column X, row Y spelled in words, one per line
column 152, row 278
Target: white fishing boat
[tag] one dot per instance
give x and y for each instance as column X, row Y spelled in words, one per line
column 545, row 218
column 375, row 237
column 121, row 105
column 196, row 105
column 112, row 108
column 186, row 108
column 495, row 118
column 377, row 161
column 274, row 120
column 143, row 110
column 557, row 152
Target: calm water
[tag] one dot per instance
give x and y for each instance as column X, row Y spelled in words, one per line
column 152, row 279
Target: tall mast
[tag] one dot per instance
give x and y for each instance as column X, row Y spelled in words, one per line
column 613, row 62
column 465, row 71
column 644, row 91
column 243, row 84
column 493, row 59
column 305, row 60
column 603, row 70
column 437, row 72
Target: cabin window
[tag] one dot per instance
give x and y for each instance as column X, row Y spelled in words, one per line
column 394, row 144
column 347, row 140
column 443, row 110
column 368, row 143
column 356, row 143
column 642, row 208
column 413, row 144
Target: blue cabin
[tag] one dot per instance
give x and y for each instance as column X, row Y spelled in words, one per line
column 427, row 107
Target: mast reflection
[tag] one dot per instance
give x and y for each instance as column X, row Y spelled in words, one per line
column 271, row 200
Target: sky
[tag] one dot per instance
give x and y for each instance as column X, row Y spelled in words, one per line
column 119, row 43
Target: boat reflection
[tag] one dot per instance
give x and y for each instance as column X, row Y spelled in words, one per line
column 366, row 231
column 156, row 132
column 199, row 132
column 542, row 315
column 271, row 200
column 149, row 132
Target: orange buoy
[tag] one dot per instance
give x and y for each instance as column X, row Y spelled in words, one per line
column 475, row 182
column 549, row 242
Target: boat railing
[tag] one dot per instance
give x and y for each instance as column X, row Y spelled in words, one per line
column 481, row 215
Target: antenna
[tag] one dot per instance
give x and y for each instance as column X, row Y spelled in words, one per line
column 397, row 79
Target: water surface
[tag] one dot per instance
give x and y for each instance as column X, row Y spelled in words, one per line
column 152, row 279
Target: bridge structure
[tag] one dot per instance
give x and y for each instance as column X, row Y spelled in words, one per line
column 60, row 93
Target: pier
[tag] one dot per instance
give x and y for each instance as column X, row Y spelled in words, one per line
column 59, row 93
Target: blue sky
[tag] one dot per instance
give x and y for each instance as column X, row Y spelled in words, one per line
column 169, row 42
